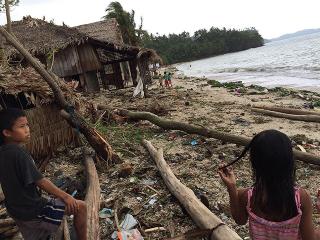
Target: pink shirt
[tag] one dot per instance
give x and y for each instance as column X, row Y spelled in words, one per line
column 261, row 229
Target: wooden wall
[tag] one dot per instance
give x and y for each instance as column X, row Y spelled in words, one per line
column 67, row 62
column 88, row 58
column 75, row 60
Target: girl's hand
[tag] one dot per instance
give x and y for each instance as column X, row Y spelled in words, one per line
column 228, row 177
column 318, row 201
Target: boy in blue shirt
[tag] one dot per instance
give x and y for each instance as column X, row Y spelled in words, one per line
column 36, row 216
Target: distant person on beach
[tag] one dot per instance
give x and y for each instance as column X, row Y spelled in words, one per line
column 36, row 217
column 170, row 79
column 160, row 80
column 166, row 79
column 275, row 206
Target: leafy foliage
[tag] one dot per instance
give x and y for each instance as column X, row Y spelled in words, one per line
column 184, row 47
column 11, row 3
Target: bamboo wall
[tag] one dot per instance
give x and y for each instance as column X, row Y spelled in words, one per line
column 48, row 131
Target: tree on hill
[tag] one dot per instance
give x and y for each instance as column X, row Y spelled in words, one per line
column 5, row 6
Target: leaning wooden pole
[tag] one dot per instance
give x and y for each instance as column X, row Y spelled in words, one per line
column 75, row 119
column 305, row 118
column 199, row 213
column 92, row 199
column 207, row 132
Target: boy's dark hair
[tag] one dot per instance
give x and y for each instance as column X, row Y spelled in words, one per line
column 7, row 119
column 273, row 166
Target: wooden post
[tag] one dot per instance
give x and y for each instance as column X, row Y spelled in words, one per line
column 199, row 213
column 92, row 199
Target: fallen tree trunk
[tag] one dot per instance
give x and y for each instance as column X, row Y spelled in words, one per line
column 210, row 133
column 199, row 213
column 76, row 119
column 287, row 110
column 92, row 199
column 99, row 144
column 305, row 118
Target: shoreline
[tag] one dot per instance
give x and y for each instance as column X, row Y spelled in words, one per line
column 221, row 79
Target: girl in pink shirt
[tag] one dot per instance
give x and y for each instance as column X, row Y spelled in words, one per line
column 276, row 208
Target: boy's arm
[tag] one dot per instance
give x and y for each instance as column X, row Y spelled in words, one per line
column 47, row 186
column 237, row 196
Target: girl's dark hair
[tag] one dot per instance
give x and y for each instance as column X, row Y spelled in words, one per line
column 7, row 119
column 273, row 167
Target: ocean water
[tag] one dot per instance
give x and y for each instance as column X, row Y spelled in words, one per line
column 293, row 63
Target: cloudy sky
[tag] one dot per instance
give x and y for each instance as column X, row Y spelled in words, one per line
column 271, row 17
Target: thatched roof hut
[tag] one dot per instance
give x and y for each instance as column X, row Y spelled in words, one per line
column 71, row 53
column 105, row 30
column 41, row 37
column 25, row 89
column 92, row 54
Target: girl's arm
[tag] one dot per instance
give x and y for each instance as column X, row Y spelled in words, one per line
column 306, row 225
column 238, row 197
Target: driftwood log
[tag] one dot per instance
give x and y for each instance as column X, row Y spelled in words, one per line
column 287, row 110
column 92, row 199
column 305, row 118
column 207, row 132
column 199, row 213
column 76, row 120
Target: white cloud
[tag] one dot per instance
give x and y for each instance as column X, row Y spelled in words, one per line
column 272, row 18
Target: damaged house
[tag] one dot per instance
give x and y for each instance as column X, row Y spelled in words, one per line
column 93, row 54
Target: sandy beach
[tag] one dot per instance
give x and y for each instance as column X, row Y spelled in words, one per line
column 193, row 159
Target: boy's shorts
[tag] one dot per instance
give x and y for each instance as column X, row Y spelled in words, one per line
column 45, row 224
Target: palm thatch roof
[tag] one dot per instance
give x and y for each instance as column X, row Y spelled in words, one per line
column 27, row 81
column 41, row 37
column 14, row 81
column 150, row 54
column 105, row 30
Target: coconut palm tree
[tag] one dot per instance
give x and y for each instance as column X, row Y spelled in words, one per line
column 126, row 22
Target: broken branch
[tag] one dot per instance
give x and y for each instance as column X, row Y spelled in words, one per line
column 207, row 132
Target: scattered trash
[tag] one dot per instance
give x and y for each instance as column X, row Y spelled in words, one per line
column 133, row 234
column 127, row 229
column 105, row 213
column 154, row 229
column 301, row 148
column 74, row 193
column 148, row 182
column 152, row 201
column 194, row 142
